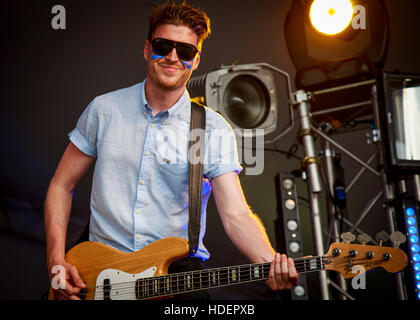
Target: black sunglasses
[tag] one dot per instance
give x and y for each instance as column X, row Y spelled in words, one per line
column 163, row 47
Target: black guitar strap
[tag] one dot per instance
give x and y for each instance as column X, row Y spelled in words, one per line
column 196, row 159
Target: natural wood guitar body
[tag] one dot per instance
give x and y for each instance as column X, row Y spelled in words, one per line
column 91, row 258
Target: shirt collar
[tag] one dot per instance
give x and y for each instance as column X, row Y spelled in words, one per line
column 175, row 110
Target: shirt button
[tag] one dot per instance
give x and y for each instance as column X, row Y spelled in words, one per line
column 147, row 153
column 138, row 211
column 138, row 236
column 142, row 181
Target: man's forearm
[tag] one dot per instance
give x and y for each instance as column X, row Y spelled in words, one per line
column 57, row 213
column 248, row 234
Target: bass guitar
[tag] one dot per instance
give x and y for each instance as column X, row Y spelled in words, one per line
column 113, row 275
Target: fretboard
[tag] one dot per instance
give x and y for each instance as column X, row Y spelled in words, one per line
column 183, row 282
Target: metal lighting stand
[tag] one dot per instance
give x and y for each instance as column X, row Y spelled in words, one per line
column 311, row 164
column 314, row 182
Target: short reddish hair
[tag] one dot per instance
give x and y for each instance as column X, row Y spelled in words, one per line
column 180, row 14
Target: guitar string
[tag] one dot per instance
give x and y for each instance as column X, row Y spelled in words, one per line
column 175, row 277
column 160, row 293
column 239, row 267
column 151, row 285
column 171, row 277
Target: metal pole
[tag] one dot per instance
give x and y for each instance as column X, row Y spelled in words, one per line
column 388, row 192
column 416, row 184
column 330, row 172
column 314, row 183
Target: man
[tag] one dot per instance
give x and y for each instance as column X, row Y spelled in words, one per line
column 140, row 194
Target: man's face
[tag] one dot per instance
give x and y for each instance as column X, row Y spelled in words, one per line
column 169, row 72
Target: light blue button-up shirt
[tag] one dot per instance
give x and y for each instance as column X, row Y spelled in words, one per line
column 140, row 182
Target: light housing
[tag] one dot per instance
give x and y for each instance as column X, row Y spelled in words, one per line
column 245, row 95
column 399, row 95
column 352, row 55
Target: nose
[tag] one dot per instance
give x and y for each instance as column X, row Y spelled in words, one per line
column 172, row 55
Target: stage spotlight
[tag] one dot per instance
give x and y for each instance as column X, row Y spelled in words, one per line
column 399, row 95
column 335, row 42
column 245, row 95
column 331, row 16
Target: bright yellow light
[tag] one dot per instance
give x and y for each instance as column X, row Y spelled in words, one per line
column 331, row 16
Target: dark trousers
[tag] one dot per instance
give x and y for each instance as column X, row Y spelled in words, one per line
column 184, row 265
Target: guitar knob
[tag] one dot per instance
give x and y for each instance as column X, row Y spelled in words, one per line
column 348, row 237
column 397, row 238
column 364, row 238
column 382, row 237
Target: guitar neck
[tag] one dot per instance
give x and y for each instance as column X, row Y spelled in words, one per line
column 183, row 282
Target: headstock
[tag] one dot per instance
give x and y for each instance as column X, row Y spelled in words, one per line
column 343, row 257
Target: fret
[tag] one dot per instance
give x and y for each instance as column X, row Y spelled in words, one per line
column 196, row 280
column 174, row 283
column 313, row 264
column 233, row 275
column 255, row 272
column 139, row 292
column 167, row 284
column 155, row 286
column 188, row 281
column 181, row 282
column 223, row 276
column 213, row 278
column 205, row 278
column 244, row 273
column 266, row 270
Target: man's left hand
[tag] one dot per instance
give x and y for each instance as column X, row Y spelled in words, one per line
column 283, row 274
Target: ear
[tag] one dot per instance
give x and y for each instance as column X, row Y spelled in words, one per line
column 197, row 60
column 146, row 50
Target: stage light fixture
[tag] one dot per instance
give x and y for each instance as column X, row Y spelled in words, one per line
column 331, row 16
column 336, row 42
column 410, row 216
column 245, row 95
column 399, row 95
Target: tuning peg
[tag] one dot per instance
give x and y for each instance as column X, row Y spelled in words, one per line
column 364, row 238
column 348, row 237
column 382, row 237
column 397, row 238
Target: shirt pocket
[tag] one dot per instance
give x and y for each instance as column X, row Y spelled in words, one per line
column 172, row 179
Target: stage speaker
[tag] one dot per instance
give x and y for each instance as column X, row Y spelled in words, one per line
column 288, row 230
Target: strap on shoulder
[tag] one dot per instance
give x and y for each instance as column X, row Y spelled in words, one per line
column 196, row 159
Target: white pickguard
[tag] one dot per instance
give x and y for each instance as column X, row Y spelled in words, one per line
column 122, row 284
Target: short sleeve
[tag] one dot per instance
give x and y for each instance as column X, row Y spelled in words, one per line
column 222, row 152
column 84, row 135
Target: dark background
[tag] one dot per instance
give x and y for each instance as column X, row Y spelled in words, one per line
column 49, row 76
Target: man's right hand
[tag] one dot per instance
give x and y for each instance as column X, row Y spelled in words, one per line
column 65, row 280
